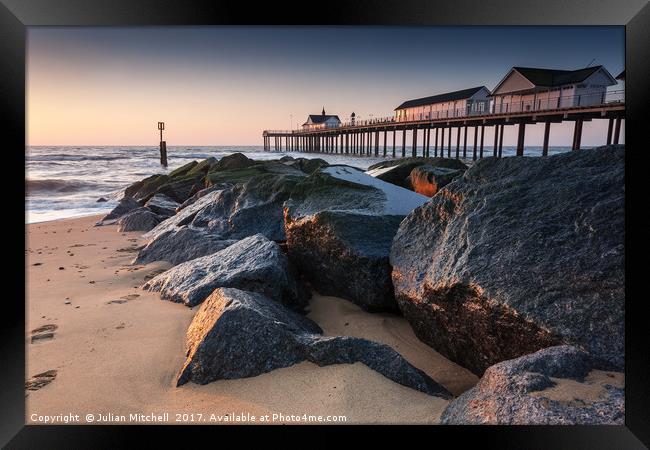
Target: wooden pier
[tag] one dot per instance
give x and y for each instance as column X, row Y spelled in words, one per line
column 378, row 137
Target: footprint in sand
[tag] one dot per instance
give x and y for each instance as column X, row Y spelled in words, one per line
column 123, row 299
column 129, row 249
column 44, row 333
column 118, row 302
column 39, row 380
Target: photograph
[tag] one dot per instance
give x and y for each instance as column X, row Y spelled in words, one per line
column 226, row 226
column 384, row 214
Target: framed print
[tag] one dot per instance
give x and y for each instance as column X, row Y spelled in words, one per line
column 376, row 214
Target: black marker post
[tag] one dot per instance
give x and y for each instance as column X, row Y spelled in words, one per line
column 163, row 145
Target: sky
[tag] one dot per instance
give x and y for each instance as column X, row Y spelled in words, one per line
column 225, row 85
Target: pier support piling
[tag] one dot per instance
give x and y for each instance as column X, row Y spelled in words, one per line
column 547, row 132
column 428, row 141
column 414, row 149
column 520, row 140
column 610, row 128
column 465, row 142
column 577, row 135
column 501, row 141
column 475, row 142
column 435, row 144
column 617, row 131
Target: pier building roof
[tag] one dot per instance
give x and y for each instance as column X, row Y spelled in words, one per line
column 441, row 98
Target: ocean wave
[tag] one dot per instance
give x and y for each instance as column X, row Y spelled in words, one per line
column 54, row 185
column 66, row 157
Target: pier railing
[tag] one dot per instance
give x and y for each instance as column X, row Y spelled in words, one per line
column 558, row 103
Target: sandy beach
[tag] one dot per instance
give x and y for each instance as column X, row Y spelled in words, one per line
column 116, row 349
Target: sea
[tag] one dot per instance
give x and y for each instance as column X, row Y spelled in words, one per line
column 64, row 182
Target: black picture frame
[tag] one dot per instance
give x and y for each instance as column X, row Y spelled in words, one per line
column 16, row 15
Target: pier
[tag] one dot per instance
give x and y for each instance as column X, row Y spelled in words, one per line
column 389, row 135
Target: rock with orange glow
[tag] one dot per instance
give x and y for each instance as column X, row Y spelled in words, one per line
column 427, row 180
column 520, row 254
column 239, row 334
column 397, row 171
column 527, row 391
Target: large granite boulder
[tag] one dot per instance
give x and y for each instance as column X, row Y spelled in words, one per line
column 237, row 334
column 255, row 264
column 196, row 196
column 243, row 202
column 162, row 205
column 182, row 170
column 143, row 190
column 125, row 205
column 234, row 161
column 527, row 391
column 181, row 244
column 139, row 219
column 397, row 171
column 340, row 224
column 427, row 180
column 178, row 185
column 307, row 165
column 519, row 254
column 179, row 190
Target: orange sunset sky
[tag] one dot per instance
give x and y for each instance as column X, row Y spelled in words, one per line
column 224, row 85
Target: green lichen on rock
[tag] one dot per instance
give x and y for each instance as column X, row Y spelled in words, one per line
column 182, row 170
column 320, row 191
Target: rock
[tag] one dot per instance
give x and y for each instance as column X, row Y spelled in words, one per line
column 234, row 161
column 397, row 171
column 516, row 392
column 101, row 200
column 179, row 190
column 340, row 224
column 182, row 170
column 427, row 180
column 178, row 185
column 231, row 177
column 140, row 219
column 306, row 165
column 124, row 206
column 247, row 201
column 237, row 334
column 518, row 255
column 345, row 254
column 196, row 196
column 162, row 205
column 203, row 167
column 144, row 189
column 254, row 264
column 133, row 188
column 181, row 244
column 286, row 158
